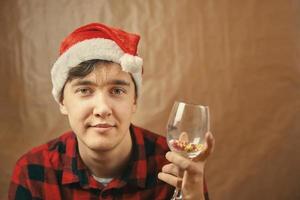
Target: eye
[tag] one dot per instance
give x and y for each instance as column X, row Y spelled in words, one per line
column 84, row 91
column 118, row 91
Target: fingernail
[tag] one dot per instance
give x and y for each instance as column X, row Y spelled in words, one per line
column 158, row 175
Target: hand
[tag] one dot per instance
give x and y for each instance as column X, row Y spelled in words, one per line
column 187, row 174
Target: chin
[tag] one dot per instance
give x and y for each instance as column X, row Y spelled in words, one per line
column 100, row 145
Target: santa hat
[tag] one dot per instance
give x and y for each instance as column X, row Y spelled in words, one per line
column 97, row 41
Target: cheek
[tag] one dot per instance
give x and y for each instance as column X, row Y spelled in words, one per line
column 125, row 111
column 78, row 111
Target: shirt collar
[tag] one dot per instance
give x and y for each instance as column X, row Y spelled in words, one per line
column 74, row 169
column 136, row 172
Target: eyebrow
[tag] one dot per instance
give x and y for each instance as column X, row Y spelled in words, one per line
column 110, row 82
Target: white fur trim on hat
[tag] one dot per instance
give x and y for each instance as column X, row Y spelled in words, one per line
column 97, row 48
column 131, row 63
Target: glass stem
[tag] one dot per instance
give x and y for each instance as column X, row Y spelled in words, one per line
column 177, row 194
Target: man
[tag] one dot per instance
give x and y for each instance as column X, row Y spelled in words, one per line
column 96, row 82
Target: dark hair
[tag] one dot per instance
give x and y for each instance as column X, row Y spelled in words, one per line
column 84, row 69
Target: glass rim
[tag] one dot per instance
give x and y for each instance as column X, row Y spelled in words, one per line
column 190, row 104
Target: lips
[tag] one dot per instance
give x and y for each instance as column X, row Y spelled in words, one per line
column 102, row 127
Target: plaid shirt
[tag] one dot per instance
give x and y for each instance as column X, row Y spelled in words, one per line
column 55, row 171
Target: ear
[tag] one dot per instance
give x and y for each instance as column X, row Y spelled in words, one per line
column 62, row 107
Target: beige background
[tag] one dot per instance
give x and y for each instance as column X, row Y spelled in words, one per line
column 242, row 58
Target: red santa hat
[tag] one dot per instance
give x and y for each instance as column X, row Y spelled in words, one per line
column 97, row 41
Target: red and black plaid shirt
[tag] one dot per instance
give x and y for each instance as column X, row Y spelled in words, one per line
column 55, row 171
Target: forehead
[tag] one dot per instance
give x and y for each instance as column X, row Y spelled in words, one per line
column 103, row 72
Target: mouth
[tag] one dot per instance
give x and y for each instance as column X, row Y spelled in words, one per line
column 102, row 127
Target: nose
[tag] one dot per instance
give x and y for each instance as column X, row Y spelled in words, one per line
column 102, row 108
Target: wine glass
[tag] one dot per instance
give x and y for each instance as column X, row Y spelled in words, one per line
column 186, row 129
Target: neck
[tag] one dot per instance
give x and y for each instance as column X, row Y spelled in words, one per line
column 107, row 164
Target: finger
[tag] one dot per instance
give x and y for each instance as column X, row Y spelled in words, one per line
column 170, row 179
column 210, row 143
column 178, row 160
column 172, row 169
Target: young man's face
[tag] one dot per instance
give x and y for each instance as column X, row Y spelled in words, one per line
column 100, row 107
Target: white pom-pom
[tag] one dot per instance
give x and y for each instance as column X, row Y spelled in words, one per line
column 131, row 64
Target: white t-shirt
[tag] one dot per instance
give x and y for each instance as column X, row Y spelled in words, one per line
column 104, row 181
